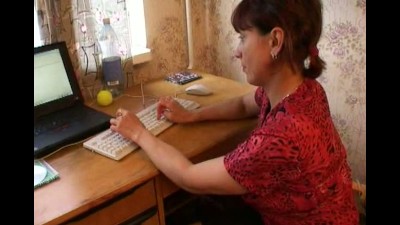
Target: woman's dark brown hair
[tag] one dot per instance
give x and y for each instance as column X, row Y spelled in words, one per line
column 301, row 21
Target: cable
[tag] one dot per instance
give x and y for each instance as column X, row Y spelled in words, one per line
column 143, row 96
column 142, row 92
column 65, row 146
column 87, row 60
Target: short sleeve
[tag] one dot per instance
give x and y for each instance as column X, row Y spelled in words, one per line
column 263, row 162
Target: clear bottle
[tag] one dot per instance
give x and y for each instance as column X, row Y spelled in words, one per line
column 111, row 59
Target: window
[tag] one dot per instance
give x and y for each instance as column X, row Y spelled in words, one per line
column 136, row 23
column 128, row 21
column 137, row 31
column 36, row 38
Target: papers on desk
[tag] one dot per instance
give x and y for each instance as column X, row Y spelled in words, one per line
column 182, row 77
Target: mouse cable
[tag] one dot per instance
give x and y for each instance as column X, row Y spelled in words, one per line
column 65, row 146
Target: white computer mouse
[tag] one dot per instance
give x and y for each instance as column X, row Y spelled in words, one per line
column 198, row 89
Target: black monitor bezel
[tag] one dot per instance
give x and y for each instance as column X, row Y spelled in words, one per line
column 67, row 101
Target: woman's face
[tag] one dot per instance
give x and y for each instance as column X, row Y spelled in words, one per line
column 254, row 52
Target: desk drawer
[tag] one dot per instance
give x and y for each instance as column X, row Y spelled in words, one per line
column 150, row 217
column 151, row 221
column 129, row 206
column 167, row 186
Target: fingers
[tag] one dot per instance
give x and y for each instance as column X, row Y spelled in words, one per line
column 121, row 112
column 160, row 110
column 114, row 122
column 164, row 106
column 163, row 111
column 167, row 100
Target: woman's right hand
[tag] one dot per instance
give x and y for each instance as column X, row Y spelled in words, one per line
column 127, row 124
column 173, row 111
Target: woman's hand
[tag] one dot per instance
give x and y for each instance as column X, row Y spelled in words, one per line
column 127, row 124
column 173, row 111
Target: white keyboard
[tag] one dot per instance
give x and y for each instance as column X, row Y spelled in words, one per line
column 115, row 146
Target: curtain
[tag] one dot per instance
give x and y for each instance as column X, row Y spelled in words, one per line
column 49, row 19
column 78, row 22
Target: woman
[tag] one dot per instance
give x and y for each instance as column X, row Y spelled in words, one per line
column 292, row 169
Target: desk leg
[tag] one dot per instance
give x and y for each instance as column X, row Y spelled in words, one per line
column 160, row 200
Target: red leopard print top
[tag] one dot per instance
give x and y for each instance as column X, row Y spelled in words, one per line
column 294, row 163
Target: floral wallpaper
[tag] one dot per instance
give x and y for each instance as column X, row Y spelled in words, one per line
column 342, row 46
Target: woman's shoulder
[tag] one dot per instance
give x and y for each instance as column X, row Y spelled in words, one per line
column 309, row 103
column 314, row 89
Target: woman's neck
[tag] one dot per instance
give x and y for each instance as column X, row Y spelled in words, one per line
column 282, row 85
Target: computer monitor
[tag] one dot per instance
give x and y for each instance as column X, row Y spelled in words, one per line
column 53, row 87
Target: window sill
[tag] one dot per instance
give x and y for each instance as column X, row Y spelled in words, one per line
column 141, row 55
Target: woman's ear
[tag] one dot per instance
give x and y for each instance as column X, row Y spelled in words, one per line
column 277, row 35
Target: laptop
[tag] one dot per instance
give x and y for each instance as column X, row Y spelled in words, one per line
column 60, row 115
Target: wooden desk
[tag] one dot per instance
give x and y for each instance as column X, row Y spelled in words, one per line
column 93, row 189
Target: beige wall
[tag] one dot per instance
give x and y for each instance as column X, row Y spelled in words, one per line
column 342, row 46
column 166, row 33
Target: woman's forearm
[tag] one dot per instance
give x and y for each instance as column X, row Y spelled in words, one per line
column 165, row 157
column 235, row 108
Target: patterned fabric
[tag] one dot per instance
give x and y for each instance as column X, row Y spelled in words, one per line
column 294, row 164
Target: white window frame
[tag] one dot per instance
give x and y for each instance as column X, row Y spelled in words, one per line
column 137, row 31
column 36, row 38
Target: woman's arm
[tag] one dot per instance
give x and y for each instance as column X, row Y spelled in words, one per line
column 208, row 177
column 235, row 108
